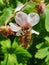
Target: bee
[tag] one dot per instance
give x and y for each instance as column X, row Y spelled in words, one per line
column 26, row 36
column 23, row 27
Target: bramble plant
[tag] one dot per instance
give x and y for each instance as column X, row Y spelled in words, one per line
column 18, row 21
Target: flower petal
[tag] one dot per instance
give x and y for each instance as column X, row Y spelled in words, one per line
column 21, row 18
column 33, row 18
column 14, row 27
column 19, row 7
column 33, row 31
column 18, row 33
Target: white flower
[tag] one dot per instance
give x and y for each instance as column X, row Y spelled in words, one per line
column 33, row 31
column 23, row 20
column 19, row 6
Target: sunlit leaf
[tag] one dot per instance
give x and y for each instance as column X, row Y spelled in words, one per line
column 47, row 18
column 42, row 53
column 12, row 60
column 5, row 60
column 39, row 45
column 6, row 13
column 30, row 8
column 20, row 50
column 47, row 38
column 6, row 44
column 47, row 59
column 1, row 3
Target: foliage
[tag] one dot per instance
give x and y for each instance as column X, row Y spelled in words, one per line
column 13, row 54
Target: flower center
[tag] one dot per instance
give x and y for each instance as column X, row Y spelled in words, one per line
column 26, row 26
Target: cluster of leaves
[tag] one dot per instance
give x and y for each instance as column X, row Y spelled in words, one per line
column 43, row 45
column 13, row 54
column 10, row 52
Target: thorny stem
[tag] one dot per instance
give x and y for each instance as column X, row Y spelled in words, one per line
column 16, row 12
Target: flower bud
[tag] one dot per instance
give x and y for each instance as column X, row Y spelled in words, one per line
column 40, row 8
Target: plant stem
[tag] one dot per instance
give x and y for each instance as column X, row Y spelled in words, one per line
column 16, row 12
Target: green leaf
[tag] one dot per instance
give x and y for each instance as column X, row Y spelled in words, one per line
column 1, row 3
column 5, row 59
column 30, row 8
column 6, row 13
column 15, row 44
column 47, row 59
column 12, row 60
column 39, row 45
column 47, row 18
column 46, row 1
column 6, row 44
column 42, row 53
column 42, row 45
column 47, row 38
column 20, row 50
column 0, row 12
